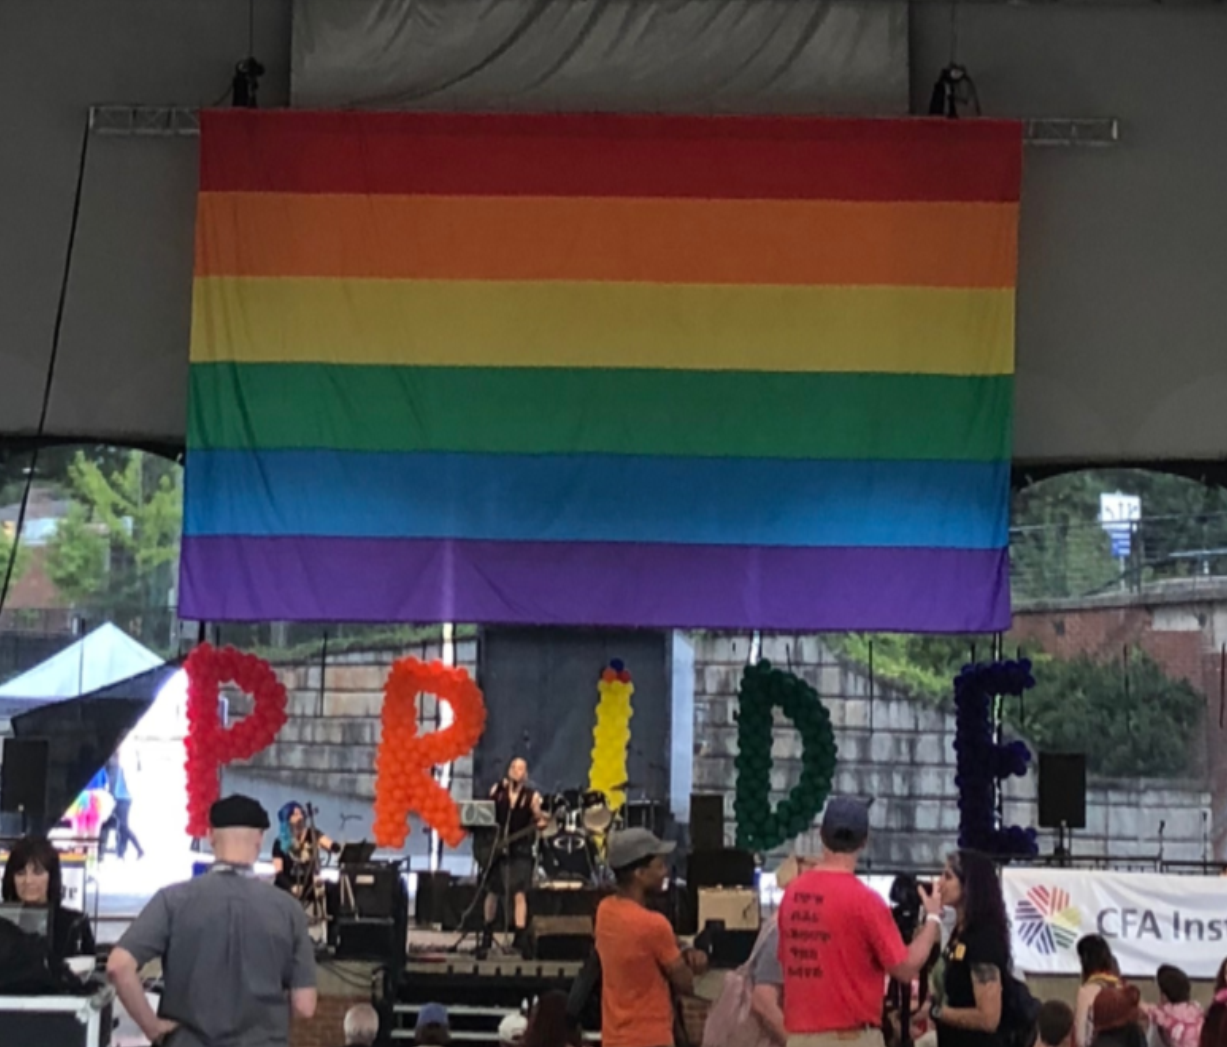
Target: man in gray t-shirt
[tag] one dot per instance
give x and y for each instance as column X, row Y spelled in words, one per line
column 236, row 954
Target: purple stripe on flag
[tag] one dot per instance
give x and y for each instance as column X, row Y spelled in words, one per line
column 236, row 578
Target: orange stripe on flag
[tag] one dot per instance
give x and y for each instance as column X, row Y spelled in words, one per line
column 972, row 245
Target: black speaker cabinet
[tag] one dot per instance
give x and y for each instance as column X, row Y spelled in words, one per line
column 727, row 867
column 706, row 821
column 372, row 892
column 1062, row 790
column 430, row 901
column 378, row 940
column 23, row 776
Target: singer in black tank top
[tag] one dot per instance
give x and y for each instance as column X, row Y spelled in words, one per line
column 517, row 808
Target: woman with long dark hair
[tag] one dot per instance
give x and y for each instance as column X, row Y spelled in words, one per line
column 976, row 959
column 32, row 877
column 1214, row 1028
column 1099, row 972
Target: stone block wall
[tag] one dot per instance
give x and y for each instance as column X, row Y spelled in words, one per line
column 901, row 752
column 891, row 747
column 325, row 753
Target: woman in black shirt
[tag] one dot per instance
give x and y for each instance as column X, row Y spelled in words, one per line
column 32, row 877
column 976, row 960
column 298, row 853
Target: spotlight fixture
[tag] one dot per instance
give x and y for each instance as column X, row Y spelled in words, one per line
column 246, row 83
column 954, row 93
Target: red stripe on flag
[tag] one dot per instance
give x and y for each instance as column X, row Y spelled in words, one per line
column 777, row 158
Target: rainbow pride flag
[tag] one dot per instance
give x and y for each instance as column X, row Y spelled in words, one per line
column 674, row 371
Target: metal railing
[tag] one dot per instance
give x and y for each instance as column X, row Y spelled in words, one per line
column 1174, row 556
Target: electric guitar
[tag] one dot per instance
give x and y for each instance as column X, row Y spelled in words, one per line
column 487, row 848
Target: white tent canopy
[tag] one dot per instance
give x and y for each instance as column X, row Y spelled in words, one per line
column 99, row 659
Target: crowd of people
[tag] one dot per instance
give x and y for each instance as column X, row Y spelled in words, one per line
column 238, row 960
column 819, row 973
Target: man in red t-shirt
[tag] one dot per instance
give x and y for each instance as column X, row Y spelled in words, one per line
column 839, row 942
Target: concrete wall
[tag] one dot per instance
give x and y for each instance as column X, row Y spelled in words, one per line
column 893, row 748
column 325, row 754
column 901, row 752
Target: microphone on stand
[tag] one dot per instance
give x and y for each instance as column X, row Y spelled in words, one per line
column 1162, row 826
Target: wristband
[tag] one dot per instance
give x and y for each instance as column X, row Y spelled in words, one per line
column 933, row 917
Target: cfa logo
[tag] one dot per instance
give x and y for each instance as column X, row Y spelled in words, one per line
column 1046, row 921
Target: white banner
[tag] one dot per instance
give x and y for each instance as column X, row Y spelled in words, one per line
column 1148, row 919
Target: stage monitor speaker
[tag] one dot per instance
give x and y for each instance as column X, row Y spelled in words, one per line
column 23, row 776
column 380, row 940
column 561, row 937
column 1062, row 799
column 737, row 908
column 706, row 821
column 372, row 891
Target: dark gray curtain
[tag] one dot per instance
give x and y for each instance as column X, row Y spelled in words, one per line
column 540, row 688
column 691, row 56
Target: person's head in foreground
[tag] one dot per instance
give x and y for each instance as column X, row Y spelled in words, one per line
column 548, row 1024
column 1095, row 956
column 1115, row 1017
column 1055, row 1024
column 517, row 771
column 511, row 1029
column 1174, row 985
column 637, row 858
column 433, row 1028
column 32, row 875
column 845, row 829
column 237, row 825
column 361, row 1025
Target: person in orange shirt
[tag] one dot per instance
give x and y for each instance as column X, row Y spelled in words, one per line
column 639, row 954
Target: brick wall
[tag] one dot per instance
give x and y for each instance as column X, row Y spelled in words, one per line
column 1176, row 637
column 327, row 1028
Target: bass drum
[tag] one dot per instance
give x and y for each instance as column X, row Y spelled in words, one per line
column 568, row 856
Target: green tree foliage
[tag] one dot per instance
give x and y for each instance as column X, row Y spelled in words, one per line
column 1059, row 550
column 7, row 546
column 117, row 549
column 79, row 557
column 1130, row 719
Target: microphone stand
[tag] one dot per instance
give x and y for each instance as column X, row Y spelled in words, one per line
column 319, row 911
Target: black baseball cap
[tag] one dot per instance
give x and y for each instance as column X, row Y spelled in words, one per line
column 238, row 812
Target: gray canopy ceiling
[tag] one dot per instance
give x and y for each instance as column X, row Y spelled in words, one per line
column 1122, row 315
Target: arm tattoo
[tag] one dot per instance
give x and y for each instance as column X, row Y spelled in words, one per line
column 985, row 973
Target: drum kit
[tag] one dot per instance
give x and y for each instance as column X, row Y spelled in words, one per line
column 571, row 847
